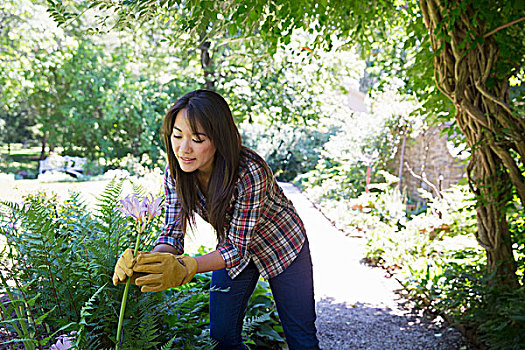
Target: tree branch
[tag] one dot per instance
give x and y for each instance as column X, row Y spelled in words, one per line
column 503, row 27
column 424, row 178
column 474, row 112
column 436, row 80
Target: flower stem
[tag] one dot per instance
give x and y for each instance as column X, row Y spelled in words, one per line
column 121, row 316
column 125, row 295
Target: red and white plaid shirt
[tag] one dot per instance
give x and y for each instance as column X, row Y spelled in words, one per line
column 262, row 224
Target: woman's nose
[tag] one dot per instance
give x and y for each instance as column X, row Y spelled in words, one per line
column 185, row 146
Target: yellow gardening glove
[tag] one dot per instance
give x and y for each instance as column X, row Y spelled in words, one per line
column 163, row 270
column 124, row 268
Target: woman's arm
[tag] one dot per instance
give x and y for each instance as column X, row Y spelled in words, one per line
column 209, row 262
column 164, row 248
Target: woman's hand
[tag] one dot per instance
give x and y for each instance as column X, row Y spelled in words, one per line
column 163, row 270
column 124, row 267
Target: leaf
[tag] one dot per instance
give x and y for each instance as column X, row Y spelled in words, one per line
column 42, row 317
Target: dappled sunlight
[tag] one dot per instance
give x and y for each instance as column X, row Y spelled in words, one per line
column 401, row 122
column 358, row 306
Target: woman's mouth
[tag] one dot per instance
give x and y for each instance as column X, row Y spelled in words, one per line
column 186, row 159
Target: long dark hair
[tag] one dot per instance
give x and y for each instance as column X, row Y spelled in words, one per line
column 211, row 111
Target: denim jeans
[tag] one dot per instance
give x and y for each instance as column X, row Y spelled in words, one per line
column 293, row 293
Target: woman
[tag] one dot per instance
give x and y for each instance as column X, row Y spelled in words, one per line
column 258, row 230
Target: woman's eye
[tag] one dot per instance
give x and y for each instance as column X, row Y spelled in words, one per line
column 198, row 141
column 177, row 137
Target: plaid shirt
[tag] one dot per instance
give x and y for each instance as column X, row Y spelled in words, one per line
column 261, row 223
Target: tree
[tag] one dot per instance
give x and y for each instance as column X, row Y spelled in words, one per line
column 15, row 53
column 478, row 47
column 469, row 50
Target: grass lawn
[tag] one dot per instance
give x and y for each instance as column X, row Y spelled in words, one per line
column 13, row 190
column 20, row 160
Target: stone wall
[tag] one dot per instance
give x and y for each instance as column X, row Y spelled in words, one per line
column 431, row 153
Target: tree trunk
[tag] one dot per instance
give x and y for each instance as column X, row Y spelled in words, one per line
column 462, row 68
column 207, row 65
column 402, row 159
column 43, row 150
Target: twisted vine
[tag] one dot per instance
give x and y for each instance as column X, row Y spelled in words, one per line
column 465, row 61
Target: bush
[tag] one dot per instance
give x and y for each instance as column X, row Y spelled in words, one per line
column 289, row 150
column 56, row 271
column 442, row 267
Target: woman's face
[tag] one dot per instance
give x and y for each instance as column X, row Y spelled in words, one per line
column 194, row 151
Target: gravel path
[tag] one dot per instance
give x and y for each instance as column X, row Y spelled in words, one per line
column 357, row 307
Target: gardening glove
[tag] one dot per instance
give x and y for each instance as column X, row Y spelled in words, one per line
column 124, row 268
column 163, row 270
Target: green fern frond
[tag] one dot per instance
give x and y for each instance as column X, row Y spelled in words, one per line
column 10, row 206
column 169, row 344
column 85, row 313
column 110, row 193
column 110, row 222
column 251, row 323
column 148, row 329
column 138, row 188
column 28, row 342
column 107, row 200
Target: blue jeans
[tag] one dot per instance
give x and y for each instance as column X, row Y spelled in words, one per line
column 293, row 293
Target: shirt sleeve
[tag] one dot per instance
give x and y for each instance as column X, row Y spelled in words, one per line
column 172, row 232
column 248, row 209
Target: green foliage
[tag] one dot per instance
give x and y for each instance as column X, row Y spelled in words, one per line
column 288, row 150
column 16, row 52
column 436, row 258
column 90, row 105
column 65, row 255
column 516, row 221
column 106, row 101
column 261, row 326
column 19, row 160
column 457, row 286
column 57, row 265
column 357, row 142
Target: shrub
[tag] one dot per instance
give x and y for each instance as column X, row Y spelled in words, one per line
column 289, row 150
column 435, row 255
column 442, row 267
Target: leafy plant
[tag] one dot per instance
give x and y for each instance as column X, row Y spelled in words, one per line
column 443, row 269
column 261, row 326
column 58, row 260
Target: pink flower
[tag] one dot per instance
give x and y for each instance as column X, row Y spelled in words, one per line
column 133, row 206
column 143, row 209
column 64, row 342
column 153, row 206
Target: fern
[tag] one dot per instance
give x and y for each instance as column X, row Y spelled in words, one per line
column 168, row 345
column 138, row 188
column 148, row 325
column 60, row 257
column 84, row 313
column 108, row 222
column 251, row 323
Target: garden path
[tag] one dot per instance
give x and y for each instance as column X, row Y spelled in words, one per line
column 356, row 304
